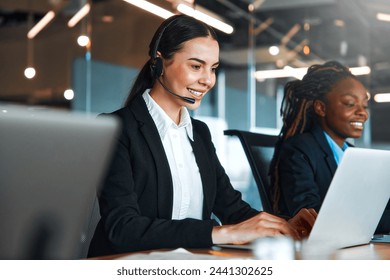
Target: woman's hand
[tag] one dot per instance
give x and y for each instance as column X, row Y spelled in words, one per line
column 263, row 224
column 303, row 221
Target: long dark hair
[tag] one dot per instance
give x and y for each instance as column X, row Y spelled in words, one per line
column 297, row 108
column 168, row 39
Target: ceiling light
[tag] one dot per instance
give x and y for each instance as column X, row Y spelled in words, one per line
column 69, row 94
column 149, row 7
column 107, row 18
column 288, row 72
column 280, row 73
column 382, row 97
column 383, row 17
column 29, row 72
column 273, row 50
column 363, row 70
column 220, row 25
column 306, row 49
column 154, row 9
column 83, row 40
column 79, row 15
column 339, row 22
column 40, row 25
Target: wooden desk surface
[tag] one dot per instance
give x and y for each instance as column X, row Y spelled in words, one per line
column 372, row 251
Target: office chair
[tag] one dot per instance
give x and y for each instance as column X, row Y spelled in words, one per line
column 259, row 149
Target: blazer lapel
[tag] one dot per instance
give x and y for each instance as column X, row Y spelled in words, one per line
column 152, row 137
column 328, row 154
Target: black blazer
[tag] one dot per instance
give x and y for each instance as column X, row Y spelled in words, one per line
column 137, row 196
column 306, row 169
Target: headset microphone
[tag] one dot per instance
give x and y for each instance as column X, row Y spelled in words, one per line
column 156, row 66
column 186, row 99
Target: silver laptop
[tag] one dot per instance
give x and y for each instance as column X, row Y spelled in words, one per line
column 353, row 206
column 51, row 163
column 355, row 201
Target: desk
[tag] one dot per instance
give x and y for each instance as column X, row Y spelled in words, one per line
column 372, row 251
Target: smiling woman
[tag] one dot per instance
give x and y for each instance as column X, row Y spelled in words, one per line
column 165, row 180
column 319, row 113
column 344, row 111
column 191, row 74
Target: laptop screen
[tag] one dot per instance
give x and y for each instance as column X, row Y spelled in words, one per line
column 355, row 200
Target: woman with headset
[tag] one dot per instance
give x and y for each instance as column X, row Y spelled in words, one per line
column 165, row 180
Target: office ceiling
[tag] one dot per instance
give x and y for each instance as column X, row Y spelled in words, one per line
column 344, row 30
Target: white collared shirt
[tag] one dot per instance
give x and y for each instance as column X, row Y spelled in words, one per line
column 187, row 184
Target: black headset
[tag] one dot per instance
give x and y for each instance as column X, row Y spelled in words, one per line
column 156, row 65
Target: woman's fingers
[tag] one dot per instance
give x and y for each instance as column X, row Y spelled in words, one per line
column 264, row 224
column 303, row 221
column 261, row 225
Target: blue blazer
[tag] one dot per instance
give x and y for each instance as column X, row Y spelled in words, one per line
column 136, row 198
column 306, row 169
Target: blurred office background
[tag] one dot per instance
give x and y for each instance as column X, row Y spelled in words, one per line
column 272, row 42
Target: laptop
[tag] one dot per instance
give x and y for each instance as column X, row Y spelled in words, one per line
column 355, row 201
column 50, row 166
column 353, row 205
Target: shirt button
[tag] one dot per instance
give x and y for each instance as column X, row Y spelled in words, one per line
column 180, row 165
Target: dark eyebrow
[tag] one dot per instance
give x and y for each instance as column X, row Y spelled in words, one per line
column 202, row 61
column 354, row 95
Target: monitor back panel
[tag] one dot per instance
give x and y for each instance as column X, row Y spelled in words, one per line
column 50, row 166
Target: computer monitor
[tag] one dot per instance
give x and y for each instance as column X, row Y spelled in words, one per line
column 51, row 163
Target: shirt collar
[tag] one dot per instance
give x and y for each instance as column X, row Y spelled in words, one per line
column 337, row 151
column 163, row 121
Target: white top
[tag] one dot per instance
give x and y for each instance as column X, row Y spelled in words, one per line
column 187, row 184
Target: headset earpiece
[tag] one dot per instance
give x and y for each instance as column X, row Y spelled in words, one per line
column 157, row 67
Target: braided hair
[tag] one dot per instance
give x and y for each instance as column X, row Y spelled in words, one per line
column 297, row 108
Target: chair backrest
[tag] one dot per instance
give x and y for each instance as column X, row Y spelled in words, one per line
column 259, row 149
